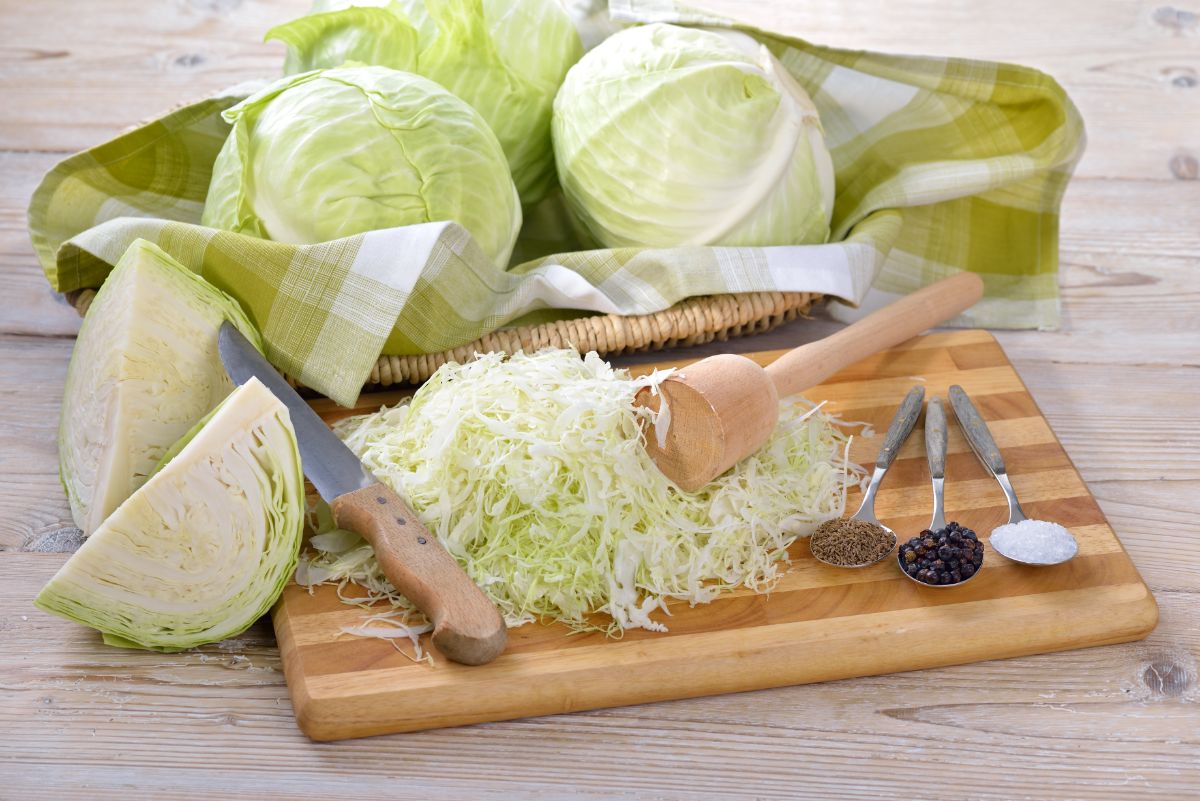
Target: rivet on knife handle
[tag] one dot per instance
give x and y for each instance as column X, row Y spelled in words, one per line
column 467, row 627
column 901, row 427
column 976, row 430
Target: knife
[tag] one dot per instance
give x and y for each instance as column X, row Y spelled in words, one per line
column 467, row 627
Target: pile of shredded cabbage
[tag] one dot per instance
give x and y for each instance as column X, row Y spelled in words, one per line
column 531, row 470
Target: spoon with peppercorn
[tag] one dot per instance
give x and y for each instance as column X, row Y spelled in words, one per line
column 943, row 555
column 861, row 540
column 1030, row 542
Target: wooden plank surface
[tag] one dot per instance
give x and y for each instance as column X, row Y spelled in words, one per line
column 816, row 624
column 1118, row 384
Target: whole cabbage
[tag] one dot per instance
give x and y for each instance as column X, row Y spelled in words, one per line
column 667, row 136
column 333, row 153
column 505, row 58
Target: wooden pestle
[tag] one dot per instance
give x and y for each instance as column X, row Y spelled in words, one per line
column 723, row 408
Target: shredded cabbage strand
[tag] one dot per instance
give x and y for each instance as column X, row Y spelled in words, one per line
column 531, row 471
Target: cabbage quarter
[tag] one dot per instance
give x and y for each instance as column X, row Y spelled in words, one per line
column 145, row 368
column 205, row 547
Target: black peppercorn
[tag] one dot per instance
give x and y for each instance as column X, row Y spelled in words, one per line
column 947, row 556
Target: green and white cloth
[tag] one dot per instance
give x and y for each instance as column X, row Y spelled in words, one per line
column 942, row 165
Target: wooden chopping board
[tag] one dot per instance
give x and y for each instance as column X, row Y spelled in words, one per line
column 818, row 623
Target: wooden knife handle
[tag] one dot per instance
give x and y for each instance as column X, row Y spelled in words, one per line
column 467, row 627
column 809, row 365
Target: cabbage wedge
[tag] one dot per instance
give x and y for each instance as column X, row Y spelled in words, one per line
column 205, row 547
column 144, row 370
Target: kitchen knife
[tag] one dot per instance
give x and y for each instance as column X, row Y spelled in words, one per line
column 467, row 627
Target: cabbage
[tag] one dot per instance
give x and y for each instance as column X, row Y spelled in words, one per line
column 533, row 473
column 145, row 368
column 506, row 58
column 667, row 136
column 332, row 153
column 205, row 547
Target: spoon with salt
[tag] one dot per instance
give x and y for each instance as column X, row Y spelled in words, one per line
column 838, row 530
column 1030, row 542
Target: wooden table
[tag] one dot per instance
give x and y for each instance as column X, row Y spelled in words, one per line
column 1119, row 383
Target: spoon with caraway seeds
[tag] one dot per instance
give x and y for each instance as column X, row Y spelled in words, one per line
column 861, row 540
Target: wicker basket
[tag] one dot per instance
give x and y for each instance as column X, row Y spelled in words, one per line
column 690, row 322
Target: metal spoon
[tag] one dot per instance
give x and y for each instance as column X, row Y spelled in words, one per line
column 901, row 426
column 981, row 441
column 935, row 452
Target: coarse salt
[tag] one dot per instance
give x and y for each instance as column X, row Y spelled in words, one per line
column 1036, row 541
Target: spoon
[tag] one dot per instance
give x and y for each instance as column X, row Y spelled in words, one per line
column 935, row 453
column 901, row 426
column 721, row 409
column 1004, row 538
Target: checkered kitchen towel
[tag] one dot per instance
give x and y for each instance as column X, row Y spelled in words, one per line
column 942, row 165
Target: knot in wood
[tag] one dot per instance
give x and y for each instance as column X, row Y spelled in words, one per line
column 1166, row 678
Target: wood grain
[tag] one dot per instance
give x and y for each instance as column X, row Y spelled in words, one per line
column 818, row 623
column 1117, row 383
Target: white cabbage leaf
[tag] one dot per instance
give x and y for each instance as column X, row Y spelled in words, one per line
column 506, row 58
column 667, row 136
column 145, row 368
column 333, row 153
column 205, row 546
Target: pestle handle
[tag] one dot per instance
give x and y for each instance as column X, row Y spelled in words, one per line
column 809, row 365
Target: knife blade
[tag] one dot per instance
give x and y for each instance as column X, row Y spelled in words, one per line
column 331, row 467
column 466, row 625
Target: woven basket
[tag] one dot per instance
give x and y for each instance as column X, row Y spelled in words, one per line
column 690, row 322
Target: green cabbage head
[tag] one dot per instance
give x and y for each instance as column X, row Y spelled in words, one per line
column 506, row 58
column 332, row 153
column 205, row 546
column 667, row 136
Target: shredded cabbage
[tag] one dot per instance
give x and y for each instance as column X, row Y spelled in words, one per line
column 531, row 470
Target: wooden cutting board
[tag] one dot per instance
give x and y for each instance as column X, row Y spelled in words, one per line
column 818, row 623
